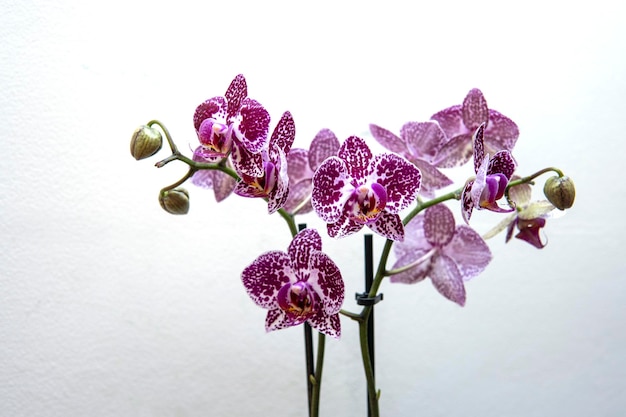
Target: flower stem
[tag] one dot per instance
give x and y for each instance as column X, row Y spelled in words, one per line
column 369, row 370
column 319, row 366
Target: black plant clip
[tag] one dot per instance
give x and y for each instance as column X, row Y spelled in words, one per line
column 363, row 299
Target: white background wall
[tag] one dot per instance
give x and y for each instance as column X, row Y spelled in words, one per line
column 111, row 307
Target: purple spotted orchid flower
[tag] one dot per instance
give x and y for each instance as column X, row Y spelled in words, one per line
column 273, row 183
column 492, row 177
column 449, row 255
column 461, row 121
column 355, row 188
column 302, row 164
column 419, row 142
column 234, row 125
column 529, row 218
column 301, row 285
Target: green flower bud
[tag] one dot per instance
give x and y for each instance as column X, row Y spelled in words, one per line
column 175, row 201
column 146, row 141
column 560, row 191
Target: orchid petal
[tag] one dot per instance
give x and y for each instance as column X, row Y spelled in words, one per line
column 501, row 133
column 324, row 145
column 277, row 319
column 467, row 204
column 479, row 147
column 301, row 247
column 455, row 152
column 475, row 110
column 502, row 163
column 299, row 198
column 329, row 325
column 356, row 155
column 331, row 189
column 253, row 125
column 520, row 194
column 415, row 274
column 470, row 252
column 388, row 225
column 432, row 178
column 245, row 162
column 423, row 139
column 265, row 276
column 298, row 167
column 236, row 92
column 451, row 121
column 400, row 178
column 447, row 279
column 213, row 108
column 325, row 278
column 284, row 133
column 344, row 226
column 438, row 225
column 388, row 139
column 414, row 240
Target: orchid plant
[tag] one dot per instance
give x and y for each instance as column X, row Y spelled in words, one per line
column 349, row 187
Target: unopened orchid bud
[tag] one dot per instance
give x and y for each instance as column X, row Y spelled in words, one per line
column 146, row 141
column 560, row 191
column 175, row 201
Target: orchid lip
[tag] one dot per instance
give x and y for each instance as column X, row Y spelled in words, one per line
column 366, row 203
column 495, row 186
column 216, row 136
column 297, row 300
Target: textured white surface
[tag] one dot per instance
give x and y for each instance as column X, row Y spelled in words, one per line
column 110, row 307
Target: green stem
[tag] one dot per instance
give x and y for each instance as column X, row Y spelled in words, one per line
column 319, row 366
column 367, row 367
column 531, row 177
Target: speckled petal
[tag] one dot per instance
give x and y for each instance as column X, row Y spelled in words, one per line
column 432, row 178
column 357, row 156
column 329, row 325
column 331, row 189
column 423, row 139
column 326, row 280
column 502, row 163
column 283, row 135
column 236, row 92
column 213, row 108
column 479, row 183
column 389, row 140
column 245, row 162
column 469, row 251
column 501, row 133
column 474, row 109
column 388, row 225
column 456, row 152
column 414, row 239
column 447, row 279
column 298, row 167
column 479, row 146
column 467, row 205
column 252, row 126
column 400, row 178
column 344, row 226
column 451, row 121
column 277, row 319
column 299, row 198
column 324, row 145
column 301, row 247
column 265, row 276
column 438, row 225
column 415, row 274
